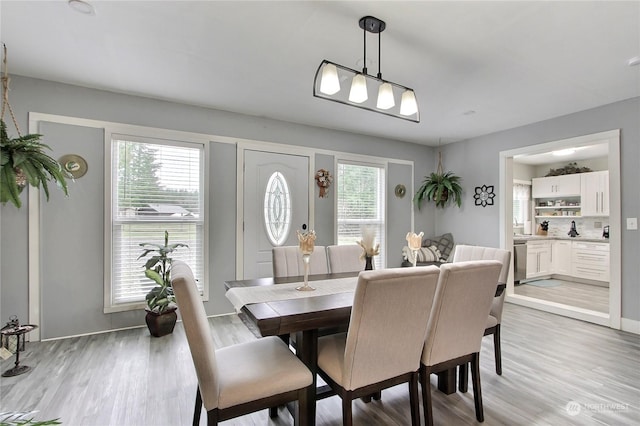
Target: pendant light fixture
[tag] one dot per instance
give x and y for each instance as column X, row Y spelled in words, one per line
column 329, row 79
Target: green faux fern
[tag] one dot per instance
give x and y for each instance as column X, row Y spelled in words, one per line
column 24, row 157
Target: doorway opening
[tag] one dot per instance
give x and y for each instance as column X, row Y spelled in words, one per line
column 550, row 287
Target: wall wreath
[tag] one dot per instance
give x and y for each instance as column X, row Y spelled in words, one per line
column 323, row 179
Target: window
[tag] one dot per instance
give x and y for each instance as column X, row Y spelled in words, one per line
column 521, row 203
column 277, row 209
column 156, row 185
column 361, row 202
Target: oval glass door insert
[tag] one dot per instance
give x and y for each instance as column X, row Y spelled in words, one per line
column 277, row 209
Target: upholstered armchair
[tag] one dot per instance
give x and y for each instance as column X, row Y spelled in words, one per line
column 345, row 258
column 465, row 253
column 454, row 336
column 386, row 334
column 238, row 379
column 287, row 261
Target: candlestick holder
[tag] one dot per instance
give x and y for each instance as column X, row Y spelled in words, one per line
column 307, row 244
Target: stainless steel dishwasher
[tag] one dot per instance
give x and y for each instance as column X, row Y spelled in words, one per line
column 519, row 261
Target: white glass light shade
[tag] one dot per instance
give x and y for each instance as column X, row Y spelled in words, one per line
column 385, row 96
column 408, row 105
column 358, row 93
column 329, row 84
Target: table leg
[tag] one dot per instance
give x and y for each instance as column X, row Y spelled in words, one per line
column 447, row 381
column 307, row 351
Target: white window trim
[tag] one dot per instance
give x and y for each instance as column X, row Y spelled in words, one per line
column 153, row 135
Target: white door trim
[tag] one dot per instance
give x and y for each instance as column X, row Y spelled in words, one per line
column 612, row 137
column 273, row 148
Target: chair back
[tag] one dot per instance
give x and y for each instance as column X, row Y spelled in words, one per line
column 465, row 253
column 460, row 310
column 345, row 258
column 196, row 327
column 388, row 324
column 287, row 261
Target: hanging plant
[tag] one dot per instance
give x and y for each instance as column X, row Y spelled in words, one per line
column 23, row 159
column 440, row 187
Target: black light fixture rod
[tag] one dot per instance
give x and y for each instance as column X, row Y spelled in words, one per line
column 364, row 60
column 379, row 57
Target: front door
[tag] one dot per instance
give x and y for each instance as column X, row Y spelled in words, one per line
column 276, row 203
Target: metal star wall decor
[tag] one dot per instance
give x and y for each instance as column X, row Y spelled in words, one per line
column 484, row 195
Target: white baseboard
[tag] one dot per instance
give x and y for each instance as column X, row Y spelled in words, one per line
column 631, row 326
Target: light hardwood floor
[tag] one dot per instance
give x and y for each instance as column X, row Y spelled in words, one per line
column 570, row 293
column 129, row 378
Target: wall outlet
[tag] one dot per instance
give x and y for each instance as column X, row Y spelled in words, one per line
column 632, row 223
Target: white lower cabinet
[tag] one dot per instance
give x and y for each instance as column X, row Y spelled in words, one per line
column 561, row 254
column 571, row 258
column 590, row 261
column 538, row 258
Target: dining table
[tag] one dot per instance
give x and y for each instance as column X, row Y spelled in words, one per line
column 275, row 308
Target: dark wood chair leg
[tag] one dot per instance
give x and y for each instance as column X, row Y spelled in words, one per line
column 197, row 409
column 273, row 412
column 426, row 395
column 414, row 400
column 497, row 350
column 347, row 419
column 377, row 396
column 212, row 417
column 463, row 377
column 477, row 392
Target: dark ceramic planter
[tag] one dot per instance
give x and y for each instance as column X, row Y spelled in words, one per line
column 161, row 324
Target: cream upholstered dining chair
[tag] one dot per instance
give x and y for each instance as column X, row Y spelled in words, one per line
column 238, row 379
column 287, row 261
column 383, row 344
column 465, row 253
column 454, row 336
column 345, row 258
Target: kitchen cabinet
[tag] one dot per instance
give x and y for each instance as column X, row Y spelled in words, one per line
column 538, row 259
column 590, row 260
column 594, row 193
column 556, row 186
column 561, row 254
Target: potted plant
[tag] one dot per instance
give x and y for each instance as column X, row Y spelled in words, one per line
column 22, row 161
column 161, row 316
column 441, row 187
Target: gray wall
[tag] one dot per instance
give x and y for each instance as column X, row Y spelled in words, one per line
column 72, row 241
column 477, row 162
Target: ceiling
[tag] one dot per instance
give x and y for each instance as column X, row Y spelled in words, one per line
column 476, row 67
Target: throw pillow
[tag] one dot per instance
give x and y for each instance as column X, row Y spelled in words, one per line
column 428, row 254
column 444, row 243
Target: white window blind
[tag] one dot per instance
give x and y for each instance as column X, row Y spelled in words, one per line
column 361, row 202
column 157, row 185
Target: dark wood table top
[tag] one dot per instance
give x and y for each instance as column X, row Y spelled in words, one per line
column 292, row 315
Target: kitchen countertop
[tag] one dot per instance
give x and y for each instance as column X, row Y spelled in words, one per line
column 559, row 237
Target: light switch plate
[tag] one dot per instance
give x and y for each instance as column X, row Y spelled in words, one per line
column 632, row 223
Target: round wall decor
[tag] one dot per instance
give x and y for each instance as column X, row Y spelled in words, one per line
column 400, row 190
column 75, row 165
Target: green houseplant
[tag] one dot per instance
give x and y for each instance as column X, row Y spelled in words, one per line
column 161, row 316
column 440, row 187
column 22, row 161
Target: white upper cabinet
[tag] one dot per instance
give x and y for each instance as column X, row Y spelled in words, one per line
column 594, row 193
column 556, row 186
